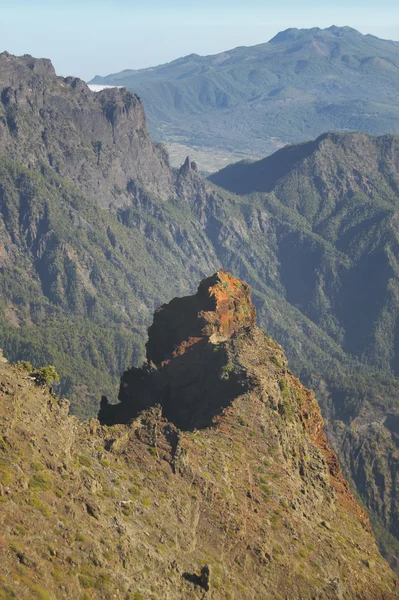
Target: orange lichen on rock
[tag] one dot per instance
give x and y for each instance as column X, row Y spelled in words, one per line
column 233, row 306
column 221, row 306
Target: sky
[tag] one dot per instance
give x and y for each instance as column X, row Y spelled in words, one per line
column 97, row 37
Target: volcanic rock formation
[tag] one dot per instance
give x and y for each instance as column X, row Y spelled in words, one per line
column 197, row 364
column 187, row 369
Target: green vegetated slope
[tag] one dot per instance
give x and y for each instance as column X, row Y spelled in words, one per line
column 301, row 83
column 78, row 284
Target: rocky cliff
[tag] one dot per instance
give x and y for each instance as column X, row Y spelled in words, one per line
column 97, row 141
column 248, row 501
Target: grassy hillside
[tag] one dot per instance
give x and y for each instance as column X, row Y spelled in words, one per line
column 141, row 510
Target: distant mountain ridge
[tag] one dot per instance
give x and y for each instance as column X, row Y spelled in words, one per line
column 298, row 85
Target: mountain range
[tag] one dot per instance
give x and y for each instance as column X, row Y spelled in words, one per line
column 253, row 100
column 97, row 231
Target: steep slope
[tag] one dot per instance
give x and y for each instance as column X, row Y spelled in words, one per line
column 78, row 283
column 98, row 141
column 298, row 85
column 253, row 506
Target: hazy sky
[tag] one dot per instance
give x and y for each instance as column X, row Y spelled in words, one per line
column 89, row 37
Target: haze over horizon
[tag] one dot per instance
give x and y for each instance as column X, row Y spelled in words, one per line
column 104, row 37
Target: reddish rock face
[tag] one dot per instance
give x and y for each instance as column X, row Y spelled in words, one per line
column 221, row 306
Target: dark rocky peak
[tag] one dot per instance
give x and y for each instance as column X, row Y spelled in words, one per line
column 19, row 67
column 189, row 371
column 28, row 83
column 188, row 171
column 77, row 84
column 189, row 184
column 221, row 306
column 119, row 105
column 99, row 141
column 187, row 166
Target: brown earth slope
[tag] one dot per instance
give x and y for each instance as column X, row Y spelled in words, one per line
column 250, row 503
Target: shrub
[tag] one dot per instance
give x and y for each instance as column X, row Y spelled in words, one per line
column 275, row 360
column 226, row 370
column 85, row 461
column 5, row 473
column 39, row 505
column 46, row 375
column 41, row 482
column 283, row 385
column 26, row 365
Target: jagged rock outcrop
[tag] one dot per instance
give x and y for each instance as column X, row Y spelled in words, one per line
column 221, row 306
column 197, row 364
column 250, row 504
column 187, row 369
column 195, row 369
column 98, row 141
